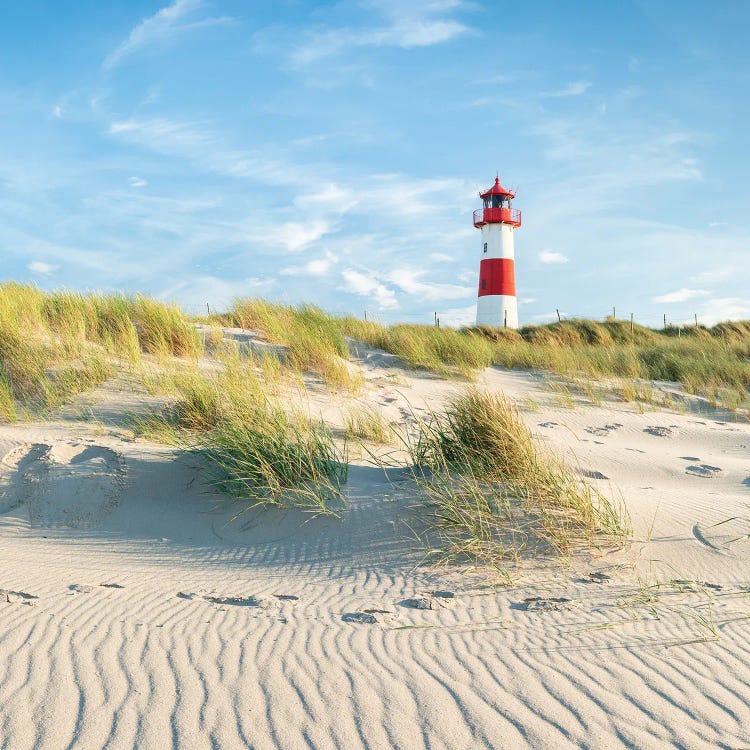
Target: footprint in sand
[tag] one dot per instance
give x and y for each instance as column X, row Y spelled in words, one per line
column 550, row 425
column 659, row 431
column 260, row 602
column 604, row 430
column 12, row 597
column 430, row 600
column 85, row 588
column 730, row 537
column 63, row 484
column 596, row 576
column 702, row 470
column 81, row 588
column 547, row 604
column 370, row 617
column 592, row 474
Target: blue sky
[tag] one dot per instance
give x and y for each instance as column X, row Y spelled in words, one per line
column 201, row 150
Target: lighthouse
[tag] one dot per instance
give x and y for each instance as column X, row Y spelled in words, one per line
column 498, row 220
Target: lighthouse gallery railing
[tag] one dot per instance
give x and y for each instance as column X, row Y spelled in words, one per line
column 497, row 216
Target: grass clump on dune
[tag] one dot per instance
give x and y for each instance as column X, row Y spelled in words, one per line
column 277, row 459
column 445, row 351
column 314, row 340
column 255, row 450
column 53, row 346
column 368, row 423
column 492, row 494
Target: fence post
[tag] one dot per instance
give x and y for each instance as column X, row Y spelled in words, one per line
column 614, row 313
column 665, row 321
column 505, row 319
column 208, row 309
column 631, row 322
column 696, row 320
column 437, row 325
column 365, row 316
column 559, row 319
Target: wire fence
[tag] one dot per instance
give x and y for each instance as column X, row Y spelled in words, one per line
column 454, row 318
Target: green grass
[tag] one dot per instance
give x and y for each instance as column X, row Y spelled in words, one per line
column 53, row 346
column 277, row 459
column 255, row 451
column 493, row 494
column 314, row 340
column 703, row 360
column 368, row 423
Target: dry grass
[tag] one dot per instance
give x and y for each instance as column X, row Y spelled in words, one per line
column 368, row 423
column 254, row 450
column 491, row 494
column 53, row 346
column 314, row 340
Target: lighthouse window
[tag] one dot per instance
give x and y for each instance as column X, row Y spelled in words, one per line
column 484, row 283
column 485, row 247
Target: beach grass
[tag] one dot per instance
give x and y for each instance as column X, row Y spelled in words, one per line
column 367, row 423
column 253, row 449
column 55, row 345
column 491, row 493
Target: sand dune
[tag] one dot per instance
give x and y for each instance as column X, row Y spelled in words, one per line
column 138, row 612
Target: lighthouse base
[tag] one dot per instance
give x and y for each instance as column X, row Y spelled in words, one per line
column 497, row 310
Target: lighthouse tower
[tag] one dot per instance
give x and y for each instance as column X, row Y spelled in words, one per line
column 498, row 220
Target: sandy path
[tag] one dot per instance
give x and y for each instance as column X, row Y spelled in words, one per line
column 143, row 617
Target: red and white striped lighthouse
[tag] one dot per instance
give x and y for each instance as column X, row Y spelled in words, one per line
column 498, row 220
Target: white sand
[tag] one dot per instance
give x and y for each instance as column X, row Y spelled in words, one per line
column 140, row 615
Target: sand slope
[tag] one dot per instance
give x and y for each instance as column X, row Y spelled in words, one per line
column 139, row 614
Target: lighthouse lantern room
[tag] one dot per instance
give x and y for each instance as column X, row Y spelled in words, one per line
column 498, row 220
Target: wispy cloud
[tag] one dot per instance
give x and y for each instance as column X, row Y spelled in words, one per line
column 418, row 23
column 574, row 88
column 410, row 281
column 198, row 144
column 681, row 295
column 367, row 285
column 167, row 23
column 548, row 257
column 137, row 182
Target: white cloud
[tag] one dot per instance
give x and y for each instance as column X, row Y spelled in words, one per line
column 409, row 281
column 575, row 88
column 418, row 23
column 725, row 308
column 162, row 26
column 296, row 236
column 546, row 256
column 441, row 257
column 57, row 111
column 369, row 286
column 137, row 182
column 317, row 267
column 204, row 149
column 195, row 291
column 42, row 268
column 458, row 316
column 681, row 295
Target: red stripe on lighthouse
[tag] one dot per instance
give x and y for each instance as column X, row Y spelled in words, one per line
column 497, row 276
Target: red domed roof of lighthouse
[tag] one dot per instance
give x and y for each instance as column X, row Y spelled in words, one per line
column 497, row 189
